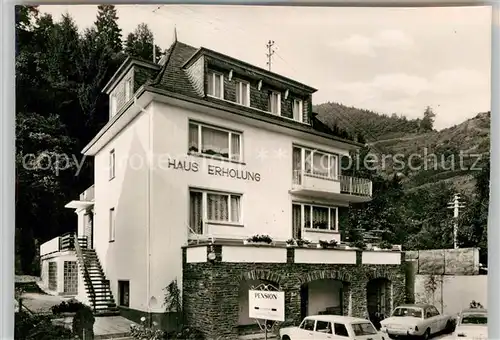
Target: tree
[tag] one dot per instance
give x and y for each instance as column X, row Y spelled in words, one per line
column 107, row 27
column 139, row 44
column 427, row 123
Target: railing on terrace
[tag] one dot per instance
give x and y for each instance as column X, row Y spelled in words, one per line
column 81, row 262
column 348, row 184
column 63, row 242
column 355, row 186
column 88, row 194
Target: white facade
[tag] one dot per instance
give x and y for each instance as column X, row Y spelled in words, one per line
column 150, row 193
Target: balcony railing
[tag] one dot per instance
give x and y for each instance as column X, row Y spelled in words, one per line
column 88, row 194
column 355, row 186
column 348, row 185
column 63, row 242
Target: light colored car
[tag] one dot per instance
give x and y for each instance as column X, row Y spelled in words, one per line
column 472, row 324
column 417, row 320
column 335, row 327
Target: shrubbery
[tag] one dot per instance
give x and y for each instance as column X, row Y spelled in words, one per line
column 28, row 327
column 70, row 306
column 83, row 323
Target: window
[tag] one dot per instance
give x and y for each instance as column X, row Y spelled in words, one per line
column 275, row 102
column 128, row 89
column 320, row 164
column 213, row 207
column 323, row 327
column 434, row 311
column 216, row 85
column 124, row 293
column 474, row 319
column 315, row 217
column 112, row 164
column 112, row 224
column 363, row 329
column 214, row 141
column 243, row 93
column 340, row 329
column 408, row 311
column 113, row 105
column 297, row 110
column 308, row 325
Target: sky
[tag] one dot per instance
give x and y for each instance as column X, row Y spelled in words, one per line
column 389, row 60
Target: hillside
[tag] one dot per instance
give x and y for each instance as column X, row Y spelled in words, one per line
column 436, row 154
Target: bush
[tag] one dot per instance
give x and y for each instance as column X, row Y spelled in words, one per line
column 70, row 306
column 28, row 327
column 83, row 323
column 143, row 332
column 186, row 334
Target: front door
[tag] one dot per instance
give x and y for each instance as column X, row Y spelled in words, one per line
column 88, row 230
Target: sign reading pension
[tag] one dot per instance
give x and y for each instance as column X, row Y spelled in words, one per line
column 266, row 305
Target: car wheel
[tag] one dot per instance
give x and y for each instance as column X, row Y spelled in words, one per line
column 427, row 334
column 285, row 337
column 450, row 327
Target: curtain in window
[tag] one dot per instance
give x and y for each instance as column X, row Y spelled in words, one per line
column 217, row 207
column 235, row 209
column 193, row 138
column 296, row 165
column 196, row 212
column 210, row 88
column 320, row 218
column 235, row 147
column 217, row 86
column 297, row 112
column 320, row 164
column 242, row 94
column 333, row 166
column 296, row 220
column 215, row 142
column 333, row 218
column 307, row 216
column 308, row 161
column 273, row 102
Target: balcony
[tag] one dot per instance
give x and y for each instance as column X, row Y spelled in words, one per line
column 86, row 200
column 342, row 188
column 61, row 243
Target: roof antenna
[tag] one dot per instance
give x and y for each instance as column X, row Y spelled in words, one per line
column 175, row 33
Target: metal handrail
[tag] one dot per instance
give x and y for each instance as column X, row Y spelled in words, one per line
column 85, row 271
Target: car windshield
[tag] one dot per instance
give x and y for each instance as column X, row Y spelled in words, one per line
column 474, row 319
column 364, row 328
column 408, row 311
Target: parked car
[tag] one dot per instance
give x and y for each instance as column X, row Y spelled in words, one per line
column 417, row 320
column 472, row 324
column 319, row 327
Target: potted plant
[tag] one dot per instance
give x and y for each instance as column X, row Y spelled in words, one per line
column 303, row 242
column 328, row 244
column 259, row 239
column 360, row 244
column 291, row 242
column 385, row 245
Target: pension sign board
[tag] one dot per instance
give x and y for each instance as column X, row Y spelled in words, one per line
column 266, row 305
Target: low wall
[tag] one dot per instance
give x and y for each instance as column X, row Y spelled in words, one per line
column 451, row 293
column 445, row 261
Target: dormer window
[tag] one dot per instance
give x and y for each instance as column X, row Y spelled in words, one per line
column 298, row 106
column 113, row 105
column 216, row 85
column 243, row 93
column 275, row 102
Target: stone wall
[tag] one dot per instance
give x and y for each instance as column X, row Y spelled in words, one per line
column 210, row 289
column 445, row 261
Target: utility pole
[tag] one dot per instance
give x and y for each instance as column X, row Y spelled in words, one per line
column 455, row 204
column 270, row 53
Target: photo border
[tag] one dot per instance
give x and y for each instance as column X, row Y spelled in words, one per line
column 7, row 142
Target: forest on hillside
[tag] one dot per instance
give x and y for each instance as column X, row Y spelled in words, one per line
column 60, row 72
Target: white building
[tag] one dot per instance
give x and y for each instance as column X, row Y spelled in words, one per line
column 201, row 152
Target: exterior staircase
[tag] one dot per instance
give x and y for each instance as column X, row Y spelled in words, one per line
column 96, row 285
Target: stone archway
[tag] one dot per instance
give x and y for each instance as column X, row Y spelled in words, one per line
column 325, row 292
